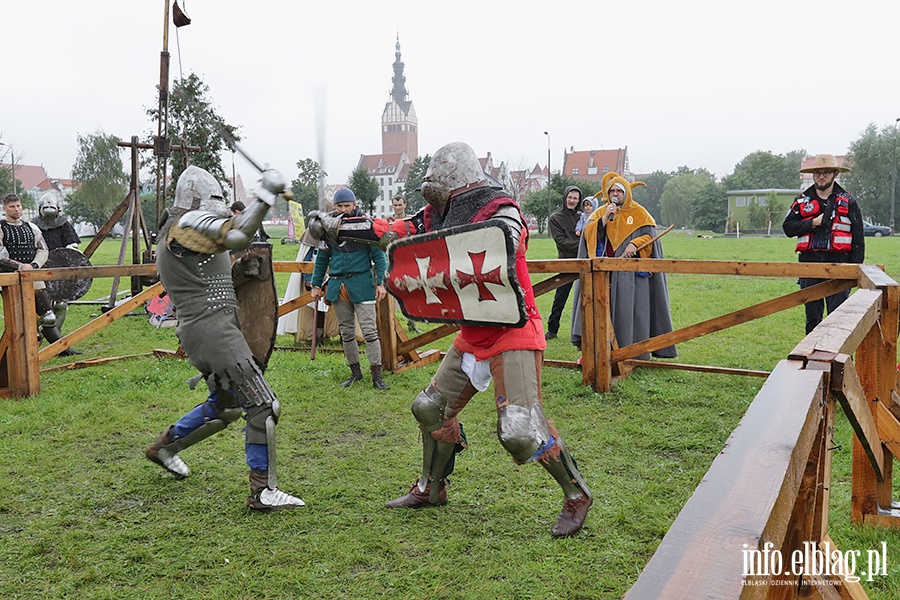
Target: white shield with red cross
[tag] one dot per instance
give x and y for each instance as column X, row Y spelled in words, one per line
column 464, row 275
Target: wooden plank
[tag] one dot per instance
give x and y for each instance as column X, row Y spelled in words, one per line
column 288, row 266
column 746, row 497
column 848, row 271
column 823, row 499
column 559, row 265
column 842, row 331
column 732, row 319
column 604, row 335
column 385, row 319
column 863, row 479
column 99, row 323
column 93, row 362
column 847, row 388
column 887, row 375
column 69, row 273
column 294, row 304
column 872, row 277
column 426, row 358
column 551, row 283
column 108, row 226
column 32, row 376
column 655, row 364
column 849, row 590
column 888, row 427
column 588, row 334
column 426, row 338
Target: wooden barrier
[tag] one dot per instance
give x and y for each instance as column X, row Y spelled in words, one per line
column 767, row 491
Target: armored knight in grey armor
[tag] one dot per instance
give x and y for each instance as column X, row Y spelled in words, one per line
column 194, row 266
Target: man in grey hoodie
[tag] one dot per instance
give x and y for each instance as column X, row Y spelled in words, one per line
column 562, row 225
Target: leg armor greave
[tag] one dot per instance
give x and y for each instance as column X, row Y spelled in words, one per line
column 210, row 426
column 261, row 421
column 60, row 309
column 428, row 408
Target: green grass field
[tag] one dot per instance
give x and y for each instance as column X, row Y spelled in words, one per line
column 84, row 515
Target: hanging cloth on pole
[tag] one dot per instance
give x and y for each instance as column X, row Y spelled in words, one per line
column 179, row 17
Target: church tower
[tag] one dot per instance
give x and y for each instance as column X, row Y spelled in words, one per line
column 399, row 125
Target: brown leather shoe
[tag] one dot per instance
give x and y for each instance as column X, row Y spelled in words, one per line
column 418, row 499
column 572, row 516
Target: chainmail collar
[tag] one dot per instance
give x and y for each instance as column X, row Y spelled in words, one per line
column 45, row 225
column 464, row 207
column 174, row 214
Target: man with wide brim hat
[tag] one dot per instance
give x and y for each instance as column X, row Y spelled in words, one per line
column 827, row 222
column 825, row 162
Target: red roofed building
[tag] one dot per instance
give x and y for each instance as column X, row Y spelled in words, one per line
column 592, row 165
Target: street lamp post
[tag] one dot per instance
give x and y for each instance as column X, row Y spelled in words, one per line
column 12, row 161
column 549, row 179
column 894, row 172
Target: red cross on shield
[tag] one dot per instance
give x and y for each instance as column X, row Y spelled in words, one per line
column 462, row 275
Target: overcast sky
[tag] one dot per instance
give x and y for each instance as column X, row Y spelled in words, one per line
column 697, row 83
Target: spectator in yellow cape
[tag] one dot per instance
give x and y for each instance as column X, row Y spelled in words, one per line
column 639, row 301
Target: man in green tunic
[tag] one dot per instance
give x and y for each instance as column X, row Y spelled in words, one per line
column 353, row 289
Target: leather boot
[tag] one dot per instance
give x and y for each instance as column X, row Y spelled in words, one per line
column 417, row 498
column 377, row 382
column 355, row 375
column 265, row 499
column 167, row 460
column 571, row 519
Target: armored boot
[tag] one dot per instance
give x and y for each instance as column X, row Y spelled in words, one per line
column 377, row 382
column 418, row 497
column 266, row 499
column 52, row 334
column 159, row 453
column 355, row 375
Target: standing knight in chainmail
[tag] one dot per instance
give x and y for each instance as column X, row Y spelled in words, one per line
column 58, row 232
column 194, row 266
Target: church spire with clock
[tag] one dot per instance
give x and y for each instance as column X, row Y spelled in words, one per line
column 399, row 125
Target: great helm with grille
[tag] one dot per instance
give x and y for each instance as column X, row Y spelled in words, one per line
column 454, row 169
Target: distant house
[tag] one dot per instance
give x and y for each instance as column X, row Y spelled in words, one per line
column 592, row 165
column 386, row 170
column 740, row 203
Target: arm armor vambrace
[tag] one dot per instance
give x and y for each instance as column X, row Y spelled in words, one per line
column 245, row 225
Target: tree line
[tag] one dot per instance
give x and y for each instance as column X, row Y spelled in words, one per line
column 687, row 197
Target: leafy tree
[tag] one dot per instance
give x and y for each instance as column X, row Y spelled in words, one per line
column 414, row 199
column 649, row 196
column 678, row 197
column 761, row 170
column 306, row 185
column 101, row 177
column 193, row 121
column 710, row 208
column 756, row 215
column 365, row 187
column 872, row 155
